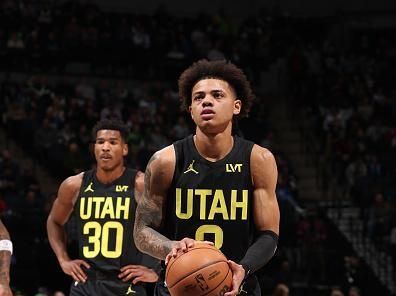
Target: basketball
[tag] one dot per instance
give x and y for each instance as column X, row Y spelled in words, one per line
column 202, row 270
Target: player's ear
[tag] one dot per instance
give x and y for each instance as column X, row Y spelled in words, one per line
column 125, row 150
column 237, row 106
column 189, row 110
column 91, row 148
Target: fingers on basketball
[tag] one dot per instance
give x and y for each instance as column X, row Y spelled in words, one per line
column 202, row 270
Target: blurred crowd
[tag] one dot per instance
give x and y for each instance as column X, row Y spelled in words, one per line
column 79, row 64
column 349, row 97
column 56, row 36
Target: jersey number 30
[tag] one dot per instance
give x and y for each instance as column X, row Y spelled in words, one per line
column 99, row 239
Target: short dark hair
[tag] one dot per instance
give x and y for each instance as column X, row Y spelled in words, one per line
column 223, row 70
column 111, row 124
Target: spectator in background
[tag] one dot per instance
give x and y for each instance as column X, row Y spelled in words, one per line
column 45, row 139
column 3, row 204
column 336, row 292
column 312, row 234
column 392, row 242
column 281, row 290
column 354, row 291
column 378, row 223
column 355, row 274
column 180, row 129
column 284, row 274
column 9, row 176
column 16, row 41
column 74, row 160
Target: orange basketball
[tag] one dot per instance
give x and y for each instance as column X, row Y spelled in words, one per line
column 203, row 270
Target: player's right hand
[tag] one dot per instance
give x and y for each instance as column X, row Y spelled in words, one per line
column 5, row 290
column 238, row 274
column 137, row 273
column 73, row 268
column 182, row 246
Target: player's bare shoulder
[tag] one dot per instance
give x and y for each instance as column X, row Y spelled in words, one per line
column 163, row 161
column 73, row 182
column 164, row 158
column 260, row 153
column 70, row 187
column 263, row 165
column 139, row 180
column 139, row 185
column 160, row 170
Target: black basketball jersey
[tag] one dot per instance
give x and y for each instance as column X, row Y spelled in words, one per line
column 105, row 215
column 212, row 200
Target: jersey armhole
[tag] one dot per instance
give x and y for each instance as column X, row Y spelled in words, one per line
column 179, row 160
column 249, row 157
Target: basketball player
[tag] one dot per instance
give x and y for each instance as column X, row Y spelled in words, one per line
column 5, row 260
column 213, row 185
column 103, row 201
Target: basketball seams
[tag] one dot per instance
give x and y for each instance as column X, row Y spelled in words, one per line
column 197, row 247
column 228, row 272
column 201, row 267
column 190, row 269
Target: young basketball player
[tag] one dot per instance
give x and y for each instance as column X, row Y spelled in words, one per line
column 5, row 260
column 212, row 185
column 103, row 201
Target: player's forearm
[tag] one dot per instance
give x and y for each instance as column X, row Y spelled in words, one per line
column 5, row 257
column 151, row 242
column 149, row 218
column 5, row 261
column 261, row 251
column 57, row 240
column 147, row 239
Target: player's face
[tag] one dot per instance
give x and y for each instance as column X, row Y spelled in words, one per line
column 110, row 149
column 213, row 104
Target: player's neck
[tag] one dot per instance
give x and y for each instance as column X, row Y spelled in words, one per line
column 109, row 176
column 213, row 147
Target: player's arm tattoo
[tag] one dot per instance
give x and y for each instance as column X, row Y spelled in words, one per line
column 138, row 195
column 5, row 258
column 149, row 215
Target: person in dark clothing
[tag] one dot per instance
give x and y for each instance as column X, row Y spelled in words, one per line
column 212, row 185
column 103, row 201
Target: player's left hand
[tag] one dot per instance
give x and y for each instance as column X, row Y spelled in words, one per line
column 5, row 290
column 138, row 273
column 238, row 274
column 182, row 246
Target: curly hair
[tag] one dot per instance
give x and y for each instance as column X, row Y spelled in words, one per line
column 222, row 70
column 111, row 124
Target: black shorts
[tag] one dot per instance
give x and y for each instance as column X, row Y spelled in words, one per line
column 98, row 284
column 250, row 288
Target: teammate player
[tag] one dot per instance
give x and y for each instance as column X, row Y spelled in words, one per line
column 103, row 202
column 5, row 260
column 212, row 185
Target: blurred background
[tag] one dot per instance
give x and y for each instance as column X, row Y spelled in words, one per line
column 324, row 76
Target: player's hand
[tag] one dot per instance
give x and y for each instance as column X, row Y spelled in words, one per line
column 139, row 273
column 238, row 274
column 182, row 246
column 5, row 290
column 73, row 268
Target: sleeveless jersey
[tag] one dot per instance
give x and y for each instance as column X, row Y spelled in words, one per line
column 105, row 215
column 212, row 200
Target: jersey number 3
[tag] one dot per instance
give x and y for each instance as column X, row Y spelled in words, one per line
column 99, row 239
